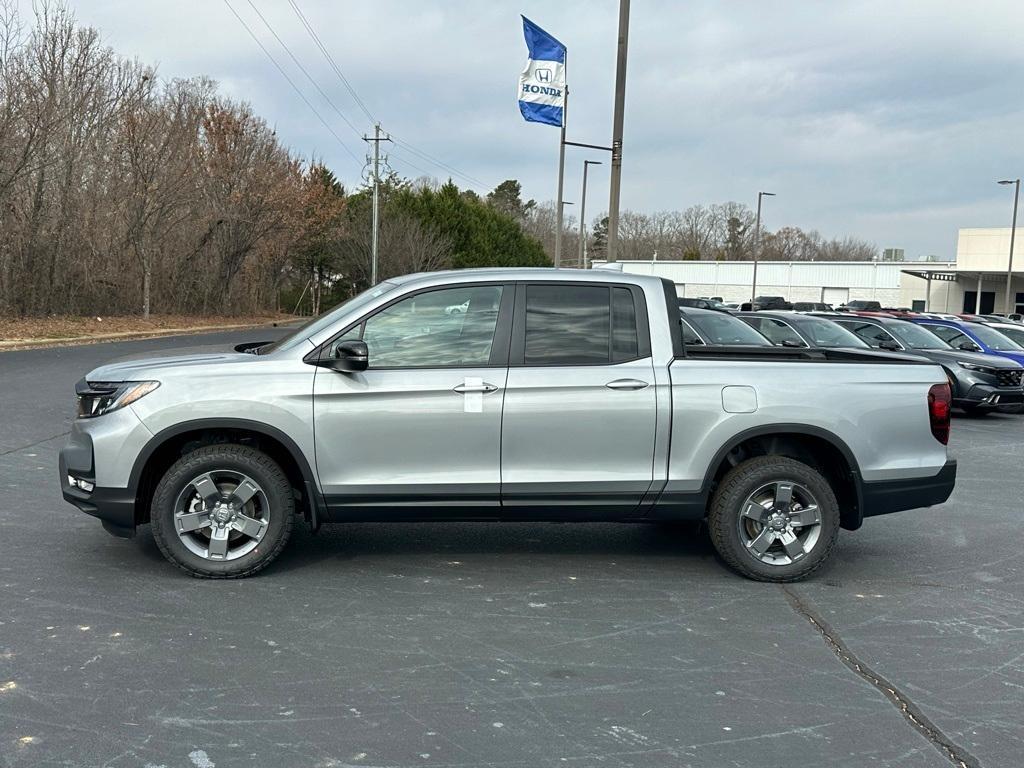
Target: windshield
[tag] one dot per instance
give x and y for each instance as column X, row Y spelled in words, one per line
column 689, row 335
column 727, row 330
column 1016, row 334
column 317, row 324
column 916, row 337
column 994, row 339
column 827, row 334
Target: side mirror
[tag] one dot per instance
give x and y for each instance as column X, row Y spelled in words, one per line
column 891, row 346
column 791, row 343
column 968, row 346
column 350, row 356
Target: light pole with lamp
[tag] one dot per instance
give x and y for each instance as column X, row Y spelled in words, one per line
column 757, row 243
column 583, row 214
column 1008, row 308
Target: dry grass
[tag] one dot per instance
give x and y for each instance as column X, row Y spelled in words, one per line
column 63, row 327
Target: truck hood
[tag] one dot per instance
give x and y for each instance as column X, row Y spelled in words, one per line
column 1017, row 357
column 150, row 367
column 962, row 356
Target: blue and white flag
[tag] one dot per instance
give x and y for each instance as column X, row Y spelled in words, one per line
column 542, row 84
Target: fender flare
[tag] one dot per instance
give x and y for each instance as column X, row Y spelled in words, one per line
column 317, row 505
column 853, row 521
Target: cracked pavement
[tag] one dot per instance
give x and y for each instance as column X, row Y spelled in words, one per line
column 500, row 644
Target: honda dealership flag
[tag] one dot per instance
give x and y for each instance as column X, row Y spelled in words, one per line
column 542, row 84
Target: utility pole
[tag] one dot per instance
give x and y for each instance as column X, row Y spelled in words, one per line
column 620, row 106
column 583, row 214
column 757, row 243
column 1009, row 308
column 376, row 140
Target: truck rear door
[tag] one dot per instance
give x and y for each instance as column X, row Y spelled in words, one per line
column 578, row 424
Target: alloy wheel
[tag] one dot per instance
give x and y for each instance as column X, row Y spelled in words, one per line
column 221, row 515
column 780, row 523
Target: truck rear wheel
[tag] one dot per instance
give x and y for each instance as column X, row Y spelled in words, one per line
column 223, row 512
column 773, row 519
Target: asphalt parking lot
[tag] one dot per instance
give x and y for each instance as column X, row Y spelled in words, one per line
column 502, row 645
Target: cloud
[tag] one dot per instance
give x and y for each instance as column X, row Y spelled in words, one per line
column 885, row 120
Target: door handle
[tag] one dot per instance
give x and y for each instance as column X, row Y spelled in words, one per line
column 464, row 388
column 627, row 384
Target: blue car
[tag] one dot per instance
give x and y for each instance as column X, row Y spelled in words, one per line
column 973, row 337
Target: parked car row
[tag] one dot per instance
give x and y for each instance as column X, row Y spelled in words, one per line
column 983, row 360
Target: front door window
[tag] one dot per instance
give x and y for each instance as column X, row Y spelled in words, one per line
column 452, row 327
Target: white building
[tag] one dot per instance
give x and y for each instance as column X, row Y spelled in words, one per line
column 976, row 281
column 981, row 264
column 833, row 282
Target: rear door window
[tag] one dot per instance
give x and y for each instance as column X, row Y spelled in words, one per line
column 568, row 324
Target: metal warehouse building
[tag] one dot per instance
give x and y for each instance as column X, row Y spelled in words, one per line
column 975, row 282
column 834, row 282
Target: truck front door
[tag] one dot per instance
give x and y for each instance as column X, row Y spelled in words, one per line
column 579, row 420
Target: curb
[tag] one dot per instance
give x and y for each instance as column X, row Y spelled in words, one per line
column 76, row 341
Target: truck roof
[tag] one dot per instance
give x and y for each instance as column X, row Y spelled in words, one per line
column 529, row 273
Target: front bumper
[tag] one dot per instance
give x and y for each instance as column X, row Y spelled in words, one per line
column 886, row 496
column 989, row 397
column 114, row 439
column 115, row 507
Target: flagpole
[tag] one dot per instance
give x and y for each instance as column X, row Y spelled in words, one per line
column 561, row 172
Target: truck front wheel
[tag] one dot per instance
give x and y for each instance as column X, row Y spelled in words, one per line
column 223, row 512
column 773, row 519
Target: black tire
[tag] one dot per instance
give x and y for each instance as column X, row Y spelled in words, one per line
column 224, row 458
column 725, row 517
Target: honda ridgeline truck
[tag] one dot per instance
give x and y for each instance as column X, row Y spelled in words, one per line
column 555, row 395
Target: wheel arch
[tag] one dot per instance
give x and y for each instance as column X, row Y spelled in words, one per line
column 168, row 445
column 814, row 446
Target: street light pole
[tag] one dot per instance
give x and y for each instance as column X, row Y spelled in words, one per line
column 561, row 213
column 1008, row 308
column 757, row 243
column 583, row 214
column 615, row 180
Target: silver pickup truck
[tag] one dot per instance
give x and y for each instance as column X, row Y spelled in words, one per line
column 507, row 395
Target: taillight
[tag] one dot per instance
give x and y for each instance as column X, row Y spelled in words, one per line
column 940, row 400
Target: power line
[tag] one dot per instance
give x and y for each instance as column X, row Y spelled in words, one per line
column 355, row 96
column 419, row 154
column 292, row 83
column 303, row 69
column 406, row 161
column 438, row 163
column 270, row 28
column 330, row 59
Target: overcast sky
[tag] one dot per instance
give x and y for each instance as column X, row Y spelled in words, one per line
column 887, row 120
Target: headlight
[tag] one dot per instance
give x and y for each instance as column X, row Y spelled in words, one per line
column 979, row 368
column 97, row 398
